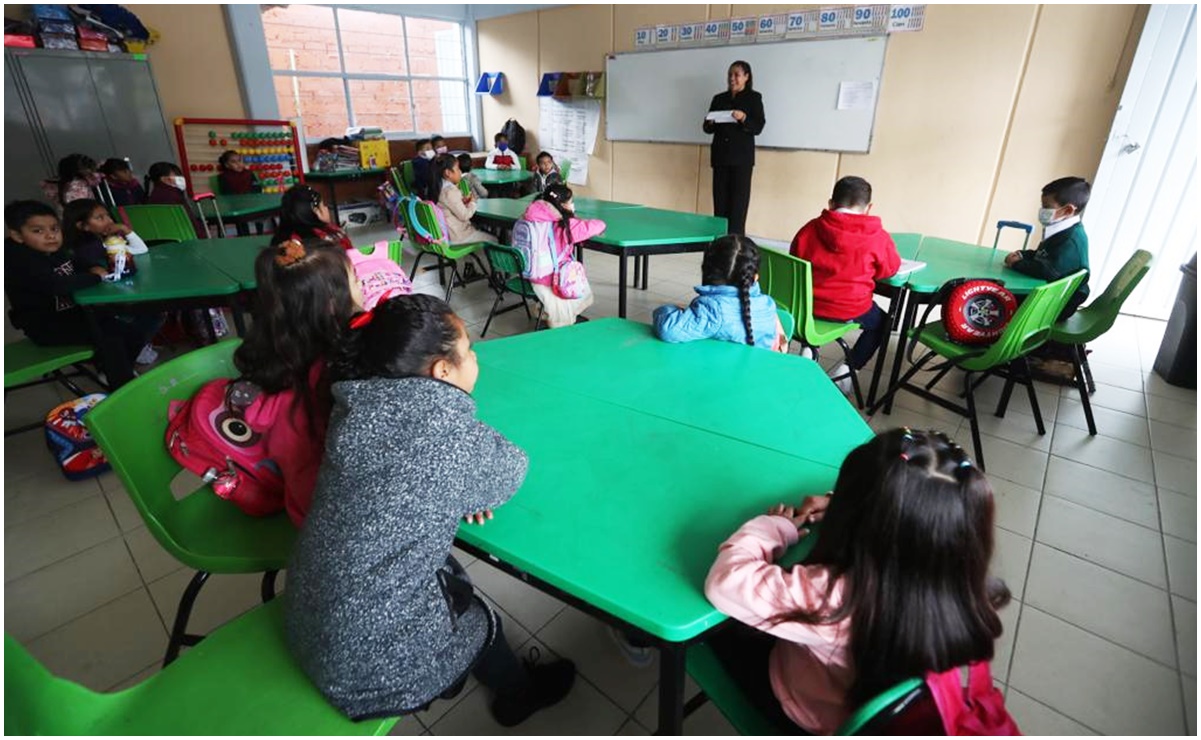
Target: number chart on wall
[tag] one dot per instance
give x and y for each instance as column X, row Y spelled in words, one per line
column 818, row 94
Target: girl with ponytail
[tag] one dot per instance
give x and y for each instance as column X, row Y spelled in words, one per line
column 729, row 304
column 554, row 205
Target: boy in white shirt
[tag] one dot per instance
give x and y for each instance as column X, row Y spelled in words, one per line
column 501, row 157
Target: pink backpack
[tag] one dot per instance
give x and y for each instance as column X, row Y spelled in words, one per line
column 378, row 275
column 208, row 435
column 978, row 709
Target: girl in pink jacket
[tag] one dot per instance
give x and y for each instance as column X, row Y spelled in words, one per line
column 897, row 584
column 555, row 205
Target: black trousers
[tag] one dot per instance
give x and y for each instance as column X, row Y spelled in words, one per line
column 122, row 337
column 743, row 651
column 732, row 196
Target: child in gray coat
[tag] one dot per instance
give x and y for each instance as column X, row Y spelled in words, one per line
column 379, row 615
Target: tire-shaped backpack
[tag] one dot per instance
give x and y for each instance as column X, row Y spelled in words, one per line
column 976, row 311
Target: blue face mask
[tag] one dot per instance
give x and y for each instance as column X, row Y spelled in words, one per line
column 503, row 146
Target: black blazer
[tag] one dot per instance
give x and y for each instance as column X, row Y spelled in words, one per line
column 734, row 143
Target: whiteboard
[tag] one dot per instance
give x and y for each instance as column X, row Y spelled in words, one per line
column 663, row 95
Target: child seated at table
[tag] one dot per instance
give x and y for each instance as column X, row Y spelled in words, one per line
column 849, row 250
column 379, row 614
column 305, row 216
column 233, row 177
column 76, row 177
column 456, row 207
column 40, row 277
column 1064, row 248
column 125, row 188
column 896, row 586
column 555, row 206
column 501, row 157
column 473, row 180
column 546, row 172
column 729, row 305
column 166, row 186
column 439, row 144
column 423, row 179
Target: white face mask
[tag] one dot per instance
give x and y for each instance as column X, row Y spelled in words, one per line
column 427, row 154
column 179, row 182
column 442, row 150
column 1046, row 216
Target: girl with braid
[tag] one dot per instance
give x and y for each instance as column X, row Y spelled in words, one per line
column 729, row 304
column 896, row 586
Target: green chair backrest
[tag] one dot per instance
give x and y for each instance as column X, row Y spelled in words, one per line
column 398, row 180
column 37, row 702
column 504, row 259
column 395, row 250
column 215, row 184
column 408, row 175
column 159, row 223
column 786, row 321
column 1098, row 316
column 427, row 220
column 789, row 281
column 565, row 169
column 25, row 362
column 1031, row 325
column 877, row 704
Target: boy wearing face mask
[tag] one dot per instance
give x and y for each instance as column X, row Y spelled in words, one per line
column 439, row 144
column 165, row 185
column 501, row 158
column 1064, row 248
column 421, row 170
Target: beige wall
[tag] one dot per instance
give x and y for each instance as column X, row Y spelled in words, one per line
column 976, row 112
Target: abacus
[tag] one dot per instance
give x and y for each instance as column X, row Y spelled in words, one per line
column 270, row 149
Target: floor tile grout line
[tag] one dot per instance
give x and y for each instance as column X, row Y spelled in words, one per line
column 1111, row 515
column 1056, row 711
column 1106, row 567
column 41, row 568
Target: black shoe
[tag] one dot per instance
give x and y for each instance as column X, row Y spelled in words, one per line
column 549, row 684
column 581, row 319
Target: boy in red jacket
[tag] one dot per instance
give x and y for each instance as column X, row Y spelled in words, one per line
column 849, row 251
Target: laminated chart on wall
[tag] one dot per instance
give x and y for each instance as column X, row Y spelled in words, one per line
column 829, row 22
column 568, row 130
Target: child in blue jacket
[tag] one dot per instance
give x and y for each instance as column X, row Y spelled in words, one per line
column 729, row 304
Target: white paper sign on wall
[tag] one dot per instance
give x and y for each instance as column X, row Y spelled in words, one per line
column 772, row 27
column 690, row 34
column 902, row 18
column 665, row 36
column 644, row 38
column 717, row 32
column 802, row 24
column 743, row 29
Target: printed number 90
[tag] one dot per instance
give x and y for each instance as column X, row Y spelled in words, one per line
column 863, row 14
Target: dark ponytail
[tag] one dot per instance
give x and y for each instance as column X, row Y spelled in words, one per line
column 733, row 260
column 404, row 338
column 557, row 195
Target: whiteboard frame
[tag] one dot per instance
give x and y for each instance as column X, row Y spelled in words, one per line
column 871, row 133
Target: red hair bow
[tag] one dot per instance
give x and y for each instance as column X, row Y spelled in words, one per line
column 365, row 318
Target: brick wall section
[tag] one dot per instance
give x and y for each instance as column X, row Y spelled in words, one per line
column 303, row 38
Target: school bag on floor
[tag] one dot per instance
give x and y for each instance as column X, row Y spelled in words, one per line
column 977, row 709
column 76, row 452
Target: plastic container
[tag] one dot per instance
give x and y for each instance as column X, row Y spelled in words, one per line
column 1176, row 362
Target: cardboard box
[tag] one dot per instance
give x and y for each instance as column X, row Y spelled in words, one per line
column 359, row 213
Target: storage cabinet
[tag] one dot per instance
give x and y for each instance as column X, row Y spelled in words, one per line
column 62, row 102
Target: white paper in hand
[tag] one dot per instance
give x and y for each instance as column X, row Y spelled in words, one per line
column 721, row 116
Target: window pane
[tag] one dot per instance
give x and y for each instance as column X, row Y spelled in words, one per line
column 372, row 42
column 301, row 37
column 435, row 48
column 382, row 103
column 320, row 101
column 441, row 106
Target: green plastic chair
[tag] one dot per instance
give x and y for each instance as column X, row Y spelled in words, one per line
column 872, row 718
column 215, row 183
column 398, row 180
column 1029, row 329
column 408, row 176
column 508, row 266
column 789, row 281
column 431, row 240
column 201, row 530
column 27, row 364
column 787, row 322
column 1095, row 319
column 240, row 681
column 395, row 250
column 157, row 224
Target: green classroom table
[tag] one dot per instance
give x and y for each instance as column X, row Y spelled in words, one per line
column 168, row 276
column 332, row 178
column 234, row 257
column 240, row 210
column 623, row 509
column 490, row 178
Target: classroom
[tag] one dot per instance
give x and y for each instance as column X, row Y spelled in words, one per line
column 480, row 369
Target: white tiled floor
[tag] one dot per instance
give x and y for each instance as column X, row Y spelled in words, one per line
column 1095, row 536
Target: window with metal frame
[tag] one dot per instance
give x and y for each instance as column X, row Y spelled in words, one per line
column 337, row 67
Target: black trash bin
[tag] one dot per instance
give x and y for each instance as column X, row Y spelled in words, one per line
column 1176, row 362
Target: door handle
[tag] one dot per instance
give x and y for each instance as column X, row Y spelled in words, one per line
column 1131, row 148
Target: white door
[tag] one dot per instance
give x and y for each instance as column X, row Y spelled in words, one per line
column 1145, row 194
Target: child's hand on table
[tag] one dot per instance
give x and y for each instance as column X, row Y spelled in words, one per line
column 1012, row 258
column 99, row 272
column 809, row 512
column 479, row 517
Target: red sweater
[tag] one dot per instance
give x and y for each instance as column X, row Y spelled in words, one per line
column 849, row 253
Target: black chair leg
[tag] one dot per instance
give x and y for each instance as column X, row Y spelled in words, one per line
column 939, row 376
column 179, row 631
column 417, row 264
column 1088, row 371
column 846, row 351
column 1006, row 392
column 495, row 305
column 970, row 395
column 886, row 399
column 1079, row 361
column 267, row 591
column 1029, row 383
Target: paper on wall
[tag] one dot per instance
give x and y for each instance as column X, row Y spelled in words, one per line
column 721, row 116
column 569, row 126
column 579, row 165
column 856, row 95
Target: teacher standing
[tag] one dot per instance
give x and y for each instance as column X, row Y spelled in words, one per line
column 732, row 154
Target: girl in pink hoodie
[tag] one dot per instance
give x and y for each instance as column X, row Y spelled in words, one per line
column 897, row 584
column 555, row 205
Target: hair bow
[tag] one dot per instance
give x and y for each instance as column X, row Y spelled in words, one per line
column 366, row 317
column 289, row 253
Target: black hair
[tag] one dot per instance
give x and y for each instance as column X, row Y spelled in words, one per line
column 303, row 307
column 19, row 212
column 298, row 214
column 733, row 260
column 223, row 160
column 158, row 170
column 557, row 194
column 406, row 335
column 502, row 135
column 745, row 67
column 851, row 192
column 443, row 163
column 420, row 143
column 1069, row 191
column 71, row 167
column 75, row 212
column 909, row 533
column 437, row 137
column 113, row 165
column 464, row 162
column 546, row 154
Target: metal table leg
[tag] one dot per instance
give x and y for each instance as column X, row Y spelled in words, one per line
column 895, row 307
column 671, row 689
column 622, row 276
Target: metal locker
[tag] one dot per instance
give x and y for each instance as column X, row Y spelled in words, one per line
column 25, row 161
column 67, row 108
column 127, row 95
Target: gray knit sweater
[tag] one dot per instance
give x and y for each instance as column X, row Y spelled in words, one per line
column 375, row 616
